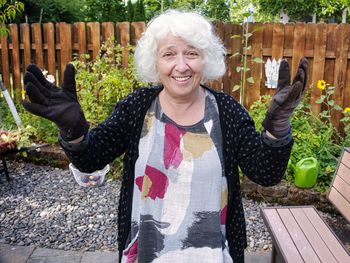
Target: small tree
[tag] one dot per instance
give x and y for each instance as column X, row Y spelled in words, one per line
column 139, row 11
column 8, row 12
column 217, row 10
column 129, row 11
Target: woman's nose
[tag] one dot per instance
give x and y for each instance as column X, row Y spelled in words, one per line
column 181, row 63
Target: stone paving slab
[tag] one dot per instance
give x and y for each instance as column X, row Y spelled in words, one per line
column 15, row 254
column 31, row 254
column 257, row 257
column 45, row 255
column 100, row 257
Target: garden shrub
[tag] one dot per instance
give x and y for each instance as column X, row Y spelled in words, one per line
column 100, row 84
column 313, row 137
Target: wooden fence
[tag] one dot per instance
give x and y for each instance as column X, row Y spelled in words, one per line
column 327, row 47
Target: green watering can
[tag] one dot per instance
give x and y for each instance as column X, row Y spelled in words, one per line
column 305, row 172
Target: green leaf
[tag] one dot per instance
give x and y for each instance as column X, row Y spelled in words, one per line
column 236, row 54
column 236, row 87
column 321, row 99
column 236, row 36
column 331, row 102
column 247, row 14
column 257, row 28
column 337, row 107
column 239, row 69
column 248, row 35
column 250, row 80
column 258, row 60
column 246, row 48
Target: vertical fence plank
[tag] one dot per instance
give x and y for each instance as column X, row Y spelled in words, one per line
column 298, row 46
column 38, row 44
column 318, row 65
column 267, row 51
column 123, row 38
column 220, row 31
column 253, row 92
column 107, row 31
column 341, row 59
column 94, row 40
column 49, row 40
column 5, row 62
column 330, row 55
column 137, row 28
column 25, row 41
column 66, row 46
column 79, row 36
column 17, row 84
column 309, row 48
column 233, row 45
column 277, row 41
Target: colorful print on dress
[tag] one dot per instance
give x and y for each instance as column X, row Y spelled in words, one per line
column 153, row 184
column 172, row 153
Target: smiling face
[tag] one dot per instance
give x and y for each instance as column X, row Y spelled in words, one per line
column 180, row 67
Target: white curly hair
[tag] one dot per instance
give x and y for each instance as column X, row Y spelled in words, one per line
column 191, row 27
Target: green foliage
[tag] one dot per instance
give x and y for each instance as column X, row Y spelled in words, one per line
column 301, row 9
column 105, row 11
column 217, row 10
column 54, row 11
column 239, row 8
column 9, row 10
column 243, row 68
column 35, row 129
column 313, row 137
column 104, row 81
column 139, row 11
column 129, row 11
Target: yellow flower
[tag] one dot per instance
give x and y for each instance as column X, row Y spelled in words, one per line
column 321, row 84
column 347, row 109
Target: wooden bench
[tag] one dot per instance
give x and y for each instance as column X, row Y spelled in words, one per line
column 299, row 234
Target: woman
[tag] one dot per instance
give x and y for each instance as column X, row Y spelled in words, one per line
column 183, row 143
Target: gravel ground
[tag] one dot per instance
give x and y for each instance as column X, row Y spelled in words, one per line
column 44, row 206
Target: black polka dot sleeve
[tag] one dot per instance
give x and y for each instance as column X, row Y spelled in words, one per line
column 262, row 159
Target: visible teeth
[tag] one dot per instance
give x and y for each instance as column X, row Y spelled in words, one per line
column 181, row 78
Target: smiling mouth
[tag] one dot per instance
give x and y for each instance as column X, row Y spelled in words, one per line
column 181, row 79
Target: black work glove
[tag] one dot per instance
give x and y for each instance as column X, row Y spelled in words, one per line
column 286, row 99
column 59, row 105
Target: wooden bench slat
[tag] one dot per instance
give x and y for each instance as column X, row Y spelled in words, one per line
column 299, row 239
column 312, row 235
column 346, row 158
column 327, row 235
column 340, row 202
column 282, row 236
column 343, row 172
column 342, row 188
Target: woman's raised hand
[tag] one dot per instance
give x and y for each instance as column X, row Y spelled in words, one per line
column 59, row 105
column 286, row 98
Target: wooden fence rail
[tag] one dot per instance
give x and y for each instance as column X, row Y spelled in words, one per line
column 327, row 47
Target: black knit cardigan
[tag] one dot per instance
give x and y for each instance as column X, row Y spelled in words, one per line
column 243, row 147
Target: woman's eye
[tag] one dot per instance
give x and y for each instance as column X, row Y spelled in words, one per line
column 168, row 54
column 192, row 54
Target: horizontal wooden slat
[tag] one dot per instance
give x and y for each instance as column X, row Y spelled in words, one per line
column 312, row 235
column 344, row 172
column 346, row 159
column 327, row 235
column 283, row 241
column 340, row 203
column 297, row 235
column 341, row 184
